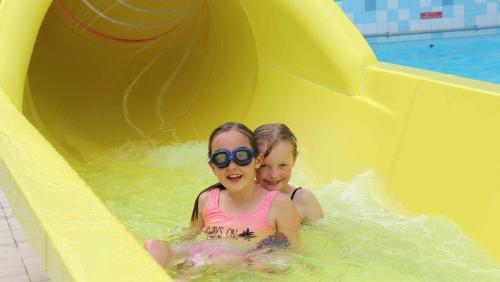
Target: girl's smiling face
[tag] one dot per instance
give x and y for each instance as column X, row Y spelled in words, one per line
column 276, row 170
column 234, row 177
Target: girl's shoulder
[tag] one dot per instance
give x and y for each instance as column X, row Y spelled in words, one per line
column 281, row 201
column 304, row 196
column 308, row 206
column 281, row 205
column 205, row 196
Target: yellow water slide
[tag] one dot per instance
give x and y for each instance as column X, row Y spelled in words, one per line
column 80, row 76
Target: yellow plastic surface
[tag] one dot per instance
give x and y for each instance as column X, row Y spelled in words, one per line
column 70, row 89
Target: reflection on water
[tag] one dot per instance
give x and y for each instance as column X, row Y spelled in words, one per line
column 152, row 189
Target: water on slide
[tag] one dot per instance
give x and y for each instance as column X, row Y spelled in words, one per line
column 152, row 189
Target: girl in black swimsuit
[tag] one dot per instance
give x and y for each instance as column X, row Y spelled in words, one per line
column 279, row 146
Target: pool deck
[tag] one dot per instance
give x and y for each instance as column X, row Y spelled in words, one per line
column 18, row 261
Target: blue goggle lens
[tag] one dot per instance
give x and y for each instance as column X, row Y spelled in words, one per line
column 241, row 156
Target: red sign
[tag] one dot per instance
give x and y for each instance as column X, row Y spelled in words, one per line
column 431, row 15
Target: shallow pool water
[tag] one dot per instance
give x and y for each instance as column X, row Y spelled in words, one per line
column 152, row 189
column 476, row 57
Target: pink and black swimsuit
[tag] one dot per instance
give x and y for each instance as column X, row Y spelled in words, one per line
column 244, row 227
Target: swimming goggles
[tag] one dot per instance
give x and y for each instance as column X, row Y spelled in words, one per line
column 242, row 156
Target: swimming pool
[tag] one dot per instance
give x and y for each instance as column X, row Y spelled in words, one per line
column 476, row 57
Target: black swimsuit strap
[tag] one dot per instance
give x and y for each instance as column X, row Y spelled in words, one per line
column 295, row 191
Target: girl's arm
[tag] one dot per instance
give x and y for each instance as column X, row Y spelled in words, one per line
column 198, row 223
column 286, row 219
column 309, row 206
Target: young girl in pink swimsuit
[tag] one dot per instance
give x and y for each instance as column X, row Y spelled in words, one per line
column 239, row 218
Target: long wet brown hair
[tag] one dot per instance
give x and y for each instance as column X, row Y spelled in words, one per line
column 226, row 127
column 271, row 134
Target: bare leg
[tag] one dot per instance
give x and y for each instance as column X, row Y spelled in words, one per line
column 160, row 250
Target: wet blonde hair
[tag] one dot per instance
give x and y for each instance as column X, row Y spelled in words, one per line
column 271, row 134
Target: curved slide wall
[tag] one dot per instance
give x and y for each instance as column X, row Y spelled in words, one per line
column 77, row 77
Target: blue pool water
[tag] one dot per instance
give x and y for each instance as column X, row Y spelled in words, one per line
column 475, row 57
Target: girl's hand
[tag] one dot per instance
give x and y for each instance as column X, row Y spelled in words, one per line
column 268, row 260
